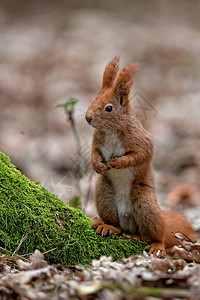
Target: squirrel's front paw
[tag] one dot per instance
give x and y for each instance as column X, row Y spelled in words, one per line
column 116, row 163
column 100, row 167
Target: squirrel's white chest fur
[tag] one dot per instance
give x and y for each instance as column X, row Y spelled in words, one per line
column 112, row 146
column 121, row 180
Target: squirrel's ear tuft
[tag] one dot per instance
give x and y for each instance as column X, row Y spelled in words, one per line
column 124, row 82
column 110, row 72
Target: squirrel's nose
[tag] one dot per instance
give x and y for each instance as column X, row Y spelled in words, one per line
column 88, row 119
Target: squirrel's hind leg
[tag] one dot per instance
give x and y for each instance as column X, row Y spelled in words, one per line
column 108, row 223
column 157, row 249
column 106, row 207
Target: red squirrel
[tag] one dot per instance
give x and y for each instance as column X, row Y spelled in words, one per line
column 122, row 152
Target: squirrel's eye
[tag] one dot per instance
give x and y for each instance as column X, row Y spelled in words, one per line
column 108, row 108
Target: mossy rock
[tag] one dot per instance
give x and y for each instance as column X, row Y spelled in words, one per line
column 28, row 208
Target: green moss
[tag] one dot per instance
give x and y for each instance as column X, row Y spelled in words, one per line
column 26, row 207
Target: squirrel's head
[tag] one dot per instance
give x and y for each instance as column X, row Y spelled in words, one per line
column 112, row 103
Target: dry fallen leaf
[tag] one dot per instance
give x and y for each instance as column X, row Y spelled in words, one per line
column 19, row 283
column 36, row 262
column 4, row 268
column 186, row 242
column 89, row 288
column 166, row 265
column 189, row 250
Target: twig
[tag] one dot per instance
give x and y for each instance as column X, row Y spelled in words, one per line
column 89, row 190
column 23, row 238
column 28, row 254
column 49, row 251
column 20, row 256
column 69, row 113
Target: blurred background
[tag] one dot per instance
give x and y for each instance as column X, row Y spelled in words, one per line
column 51, row 51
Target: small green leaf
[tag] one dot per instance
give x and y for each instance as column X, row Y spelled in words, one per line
column 69, row 104
column 73, row 101
column 60, row 106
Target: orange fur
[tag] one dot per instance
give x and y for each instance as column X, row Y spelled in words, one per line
column 122, row 152
column 175, row 222
column 125, row 78
column 110, row 72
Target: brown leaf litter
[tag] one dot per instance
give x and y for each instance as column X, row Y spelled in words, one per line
column 136, row 277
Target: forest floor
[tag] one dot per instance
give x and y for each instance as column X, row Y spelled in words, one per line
column 136, row 277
